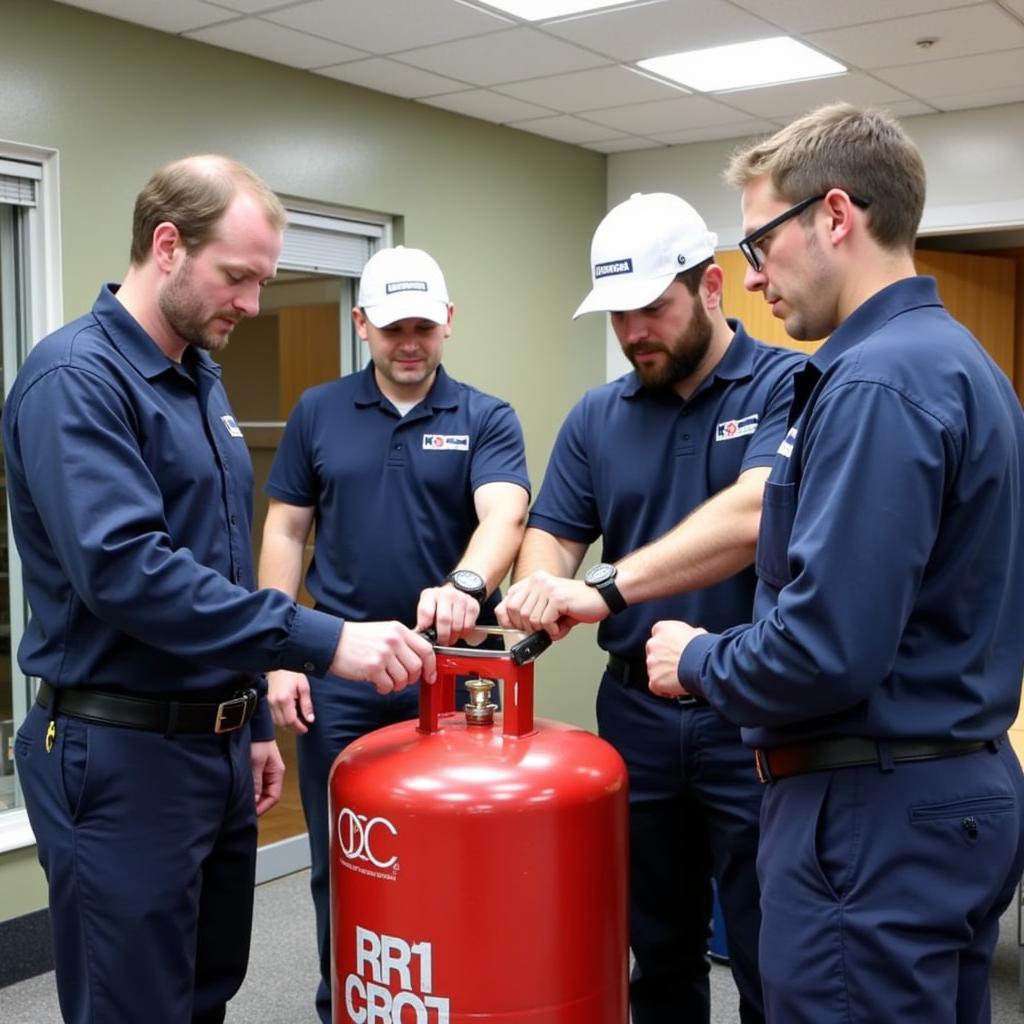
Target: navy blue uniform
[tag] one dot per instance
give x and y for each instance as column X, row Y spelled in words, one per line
column 891, row 587
column 394, row 512
column 130, row 491
column 627, row 466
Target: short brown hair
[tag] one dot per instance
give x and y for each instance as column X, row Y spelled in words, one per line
column 693, row 277
column 192, row 194
column 863, row 151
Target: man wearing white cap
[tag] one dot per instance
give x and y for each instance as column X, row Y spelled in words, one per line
column 690, row 434
column 418, row 487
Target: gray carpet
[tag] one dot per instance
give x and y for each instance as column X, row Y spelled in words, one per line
column 282, row 970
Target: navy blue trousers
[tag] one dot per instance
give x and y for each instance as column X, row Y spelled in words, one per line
column 344, row 710
column 882, row 889
column 149, row 847
column 694, row 807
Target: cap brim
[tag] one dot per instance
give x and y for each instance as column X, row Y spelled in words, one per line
column 407, row 306
column 613, row 295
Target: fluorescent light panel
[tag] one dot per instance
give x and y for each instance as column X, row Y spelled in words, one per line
column 535, row 10
column 744, row 65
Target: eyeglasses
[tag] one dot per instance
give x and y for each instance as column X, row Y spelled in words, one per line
column 755, row 254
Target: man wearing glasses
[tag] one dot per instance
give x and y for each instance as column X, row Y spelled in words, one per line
column 689, row 435
column 884, row 664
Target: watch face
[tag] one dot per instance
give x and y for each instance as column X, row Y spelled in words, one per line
column 467, row 580
column 600, row 573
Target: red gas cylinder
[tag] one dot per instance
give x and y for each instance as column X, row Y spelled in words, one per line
column 478, row 863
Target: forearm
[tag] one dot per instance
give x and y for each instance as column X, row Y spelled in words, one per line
column 716, row 541
column 281, row 563
column 492, row 547
column 542, row 551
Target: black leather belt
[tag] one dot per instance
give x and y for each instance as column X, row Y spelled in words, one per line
column 856, row 752
column 167, row 716
column 634, row 674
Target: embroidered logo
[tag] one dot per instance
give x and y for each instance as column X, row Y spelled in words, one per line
column 405, row 286
column 446, row 442
column 786, row 448
column 232, row 427
column 730, row 429
column 613, row 267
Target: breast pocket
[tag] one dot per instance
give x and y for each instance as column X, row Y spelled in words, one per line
column 778, row 510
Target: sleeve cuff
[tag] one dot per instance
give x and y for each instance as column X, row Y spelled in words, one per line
column 262, row 724
column 312, row 643
column 691, row 661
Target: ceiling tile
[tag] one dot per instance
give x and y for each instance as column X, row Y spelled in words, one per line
column 667, row 115
column 391, row 77
column 667, row 26
column 962, row 75
column 384, row 26
column 626, row 145
column 983, row 98
column 508, row 56
column 272, row 42
column 177, row 17
column 251, row 6
column 587, row 90
column 801, row 16
column 487, row 105
column 793, row 98
column 889, row 43
column 721, row 131
column 567, row 129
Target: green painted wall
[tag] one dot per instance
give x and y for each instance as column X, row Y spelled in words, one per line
column 508, row 215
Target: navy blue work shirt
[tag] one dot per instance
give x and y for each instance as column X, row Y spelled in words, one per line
column 130, row 490
column 891, row 593
column 393, row 494
column 629, row 464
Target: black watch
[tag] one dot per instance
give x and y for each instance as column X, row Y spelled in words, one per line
column 602, row 578
column 469, row 582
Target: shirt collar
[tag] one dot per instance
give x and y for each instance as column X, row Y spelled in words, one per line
column 737, row 363
column 136, row 346
column 899, row 297
column 443, row 393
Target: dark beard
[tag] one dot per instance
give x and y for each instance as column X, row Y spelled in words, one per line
column 685, row 356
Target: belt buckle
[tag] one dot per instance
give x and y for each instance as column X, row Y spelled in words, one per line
column 764, row 773
column 231, row 713
column 687, row 700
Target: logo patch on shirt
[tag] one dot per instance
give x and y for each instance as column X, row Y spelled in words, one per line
column 613, row 267
column 232, row 427
column 446, row 442
column 730, row 429
column 405, row 286
column 786, row 448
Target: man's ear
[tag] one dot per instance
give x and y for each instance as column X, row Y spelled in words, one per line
column 166, row 240
column 711, row 285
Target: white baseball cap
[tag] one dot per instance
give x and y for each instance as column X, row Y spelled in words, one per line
column 400, row 283
column 639, row 248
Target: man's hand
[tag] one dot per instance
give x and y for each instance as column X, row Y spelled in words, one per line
column 664, row 649
column 552, row 603
column 387, row 654
column 291, row 705
column 451, row 612
column 267, row 774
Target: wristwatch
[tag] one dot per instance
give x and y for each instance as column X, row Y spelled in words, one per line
column 602, row 578
column 468, row 582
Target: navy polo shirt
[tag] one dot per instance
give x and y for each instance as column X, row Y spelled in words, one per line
column 130, row 491
column 393, row 494
column 629, row 464
column 891, row 568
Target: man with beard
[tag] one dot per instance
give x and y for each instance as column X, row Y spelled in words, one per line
column 691, row 432
column 149, row 751
column 417, row 484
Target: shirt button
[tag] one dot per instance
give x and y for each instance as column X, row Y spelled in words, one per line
column 308, row 666
column 686, row 437
column 238, row 575
column 398, row 447
column 234, row 520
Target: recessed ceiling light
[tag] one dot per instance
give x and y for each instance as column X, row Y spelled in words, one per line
column 535, row 10
column 744, row 65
